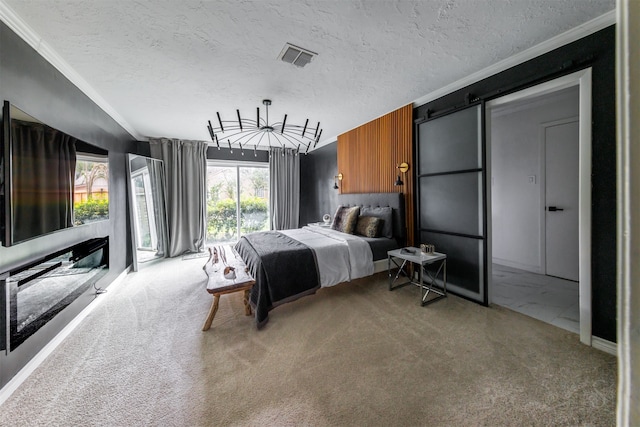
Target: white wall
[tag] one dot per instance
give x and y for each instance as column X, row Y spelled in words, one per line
column 515, row 157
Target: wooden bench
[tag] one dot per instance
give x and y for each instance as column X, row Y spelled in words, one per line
column 221, row 257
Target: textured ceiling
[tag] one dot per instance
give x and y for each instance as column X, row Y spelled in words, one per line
column 166, row 67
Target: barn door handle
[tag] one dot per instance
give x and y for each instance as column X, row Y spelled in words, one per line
column 554, row 209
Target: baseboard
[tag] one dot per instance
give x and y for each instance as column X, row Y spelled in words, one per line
column 604, row 345
column 31, row 366
column 520, row 266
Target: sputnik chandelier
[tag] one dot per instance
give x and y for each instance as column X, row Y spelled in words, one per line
column 249, row 134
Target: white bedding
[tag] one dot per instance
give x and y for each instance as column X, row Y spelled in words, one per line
column 341, row 257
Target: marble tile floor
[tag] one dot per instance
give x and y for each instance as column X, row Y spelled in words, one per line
column 546, row 298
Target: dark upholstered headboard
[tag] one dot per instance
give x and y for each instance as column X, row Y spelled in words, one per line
column 394, row 200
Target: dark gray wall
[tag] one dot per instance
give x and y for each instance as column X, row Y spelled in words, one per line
column 598, row 52
column 32, row 84
column 317, row 196
column 29, row 82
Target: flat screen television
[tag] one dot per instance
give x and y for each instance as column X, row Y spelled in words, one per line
column 49, row 180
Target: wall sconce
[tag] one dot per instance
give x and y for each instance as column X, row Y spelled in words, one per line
column 403, row 167
column 336, row 179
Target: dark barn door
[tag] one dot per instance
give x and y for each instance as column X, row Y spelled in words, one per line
column 452, row 196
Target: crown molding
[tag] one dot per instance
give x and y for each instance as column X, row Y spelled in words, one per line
column 576, row 33
column 33, row 39
column 20, row 27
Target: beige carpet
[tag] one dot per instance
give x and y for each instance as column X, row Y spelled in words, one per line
column 355, row 354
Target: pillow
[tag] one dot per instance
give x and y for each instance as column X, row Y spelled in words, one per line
column 385, row 214
column 368, row 226
column 345, row 219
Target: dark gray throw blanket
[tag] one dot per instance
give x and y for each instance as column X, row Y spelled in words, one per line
column 284, row 270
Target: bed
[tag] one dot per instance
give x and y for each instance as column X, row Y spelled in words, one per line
column 289, row 264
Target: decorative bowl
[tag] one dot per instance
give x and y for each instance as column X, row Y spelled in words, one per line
column 229, row 273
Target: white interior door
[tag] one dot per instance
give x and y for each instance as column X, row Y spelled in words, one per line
column 562, row 200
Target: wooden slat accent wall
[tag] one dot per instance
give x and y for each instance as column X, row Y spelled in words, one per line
column 368, row 156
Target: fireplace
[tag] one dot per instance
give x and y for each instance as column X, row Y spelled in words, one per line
column 38, row 291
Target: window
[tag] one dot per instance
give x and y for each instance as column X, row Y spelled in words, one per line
column 147, row 237
column 237, row 200
column 91, row 189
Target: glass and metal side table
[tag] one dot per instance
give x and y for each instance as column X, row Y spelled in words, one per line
column 430, row 283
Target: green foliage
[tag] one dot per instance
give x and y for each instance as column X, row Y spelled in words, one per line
column 214, row 191
column 230, row 189
column 222, row 219
column 90, row 210
column 254, row 214
column 259, row 180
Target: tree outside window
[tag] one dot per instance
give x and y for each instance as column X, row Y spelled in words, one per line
column 91, row 190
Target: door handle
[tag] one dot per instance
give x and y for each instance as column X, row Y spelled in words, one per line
column 554, row 209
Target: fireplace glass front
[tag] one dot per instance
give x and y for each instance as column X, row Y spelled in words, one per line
column 38, row 293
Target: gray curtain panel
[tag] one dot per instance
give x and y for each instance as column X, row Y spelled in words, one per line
column 157, row 178
column 284, row 191
column 185, row 164
column 44, row 164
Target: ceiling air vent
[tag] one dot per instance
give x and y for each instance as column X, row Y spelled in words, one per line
column 296, row 55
